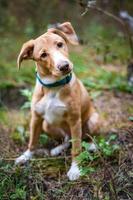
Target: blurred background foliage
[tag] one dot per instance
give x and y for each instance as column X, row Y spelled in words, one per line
column 31, row 17
column 103, row 40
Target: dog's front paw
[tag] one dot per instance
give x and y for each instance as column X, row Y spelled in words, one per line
column 74, row 172
column 27, row 155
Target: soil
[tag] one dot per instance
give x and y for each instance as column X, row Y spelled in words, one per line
column 114, row 177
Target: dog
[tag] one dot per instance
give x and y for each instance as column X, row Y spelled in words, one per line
column 60, row 104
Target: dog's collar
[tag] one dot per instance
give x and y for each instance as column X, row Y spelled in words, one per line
column 61, row 82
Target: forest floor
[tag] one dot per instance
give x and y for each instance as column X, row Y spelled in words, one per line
column 106, row 176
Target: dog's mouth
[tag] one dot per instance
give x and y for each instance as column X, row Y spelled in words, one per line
column 67, row 72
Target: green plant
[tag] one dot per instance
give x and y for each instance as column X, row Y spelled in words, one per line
column 43, row 139
column 28, row 94
column 85, row 157
column 105, row 148
column 19, row 193
column 19, row 135
column 104, row 79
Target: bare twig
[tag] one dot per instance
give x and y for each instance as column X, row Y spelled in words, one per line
column 39, row 159
column 125, row 26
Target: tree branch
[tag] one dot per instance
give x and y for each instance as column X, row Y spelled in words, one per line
column 91, row 5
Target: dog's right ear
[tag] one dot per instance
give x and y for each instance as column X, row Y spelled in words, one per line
column 66, row 31
column 26, row 52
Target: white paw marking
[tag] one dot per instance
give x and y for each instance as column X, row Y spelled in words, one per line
column 93, row 120
column 74, row 172
column 57, row 150
column 27, row 155
column 92, row 147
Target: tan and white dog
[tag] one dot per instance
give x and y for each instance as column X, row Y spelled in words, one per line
column 60, row 104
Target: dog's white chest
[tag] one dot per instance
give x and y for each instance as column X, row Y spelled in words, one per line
column 52, row 108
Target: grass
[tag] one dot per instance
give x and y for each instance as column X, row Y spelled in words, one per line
column 106, row 80
column 9, row 74
column 46, row 178
column 8, row 116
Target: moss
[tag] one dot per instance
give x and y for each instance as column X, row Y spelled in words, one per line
column 3, row 117
column 129, row 109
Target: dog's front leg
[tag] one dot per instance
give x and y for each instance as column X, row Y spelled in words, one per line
column 35, row 128
column 76, row 135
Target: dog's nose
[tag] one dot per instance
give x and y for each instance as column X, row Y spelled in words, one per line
column 64, row 66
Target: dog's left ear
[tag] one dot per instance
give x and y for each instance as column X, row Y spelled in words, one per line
column 66, row 31
column 26, row 52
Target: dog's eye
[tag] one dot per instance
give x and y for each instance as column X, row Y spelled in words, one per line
column 60, row 44
column 44, row 55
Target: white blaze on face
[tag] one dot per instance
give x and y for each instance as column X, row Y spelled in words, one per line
column 58, row 58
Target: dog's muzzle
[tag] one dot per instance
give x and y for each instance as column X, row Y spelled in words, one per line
column 64, row 67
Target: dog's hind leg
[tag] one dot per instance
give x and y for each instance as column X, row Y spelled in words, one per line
column 93, row 123
column 57, row 133
column 62, row 147
column 92, row 127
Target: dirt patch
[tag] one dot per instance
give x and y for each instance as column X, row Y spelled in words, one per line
column 46, row 179
column 8, row 149
column 115, row 109
column 11, row 97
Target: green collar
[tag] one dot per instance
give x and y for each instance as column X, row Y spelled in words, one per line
column 61, row 82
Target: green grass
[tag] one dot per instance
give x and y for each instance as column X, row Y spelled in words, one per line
column 106, row 147
column 95, row 77
column 46, row 178
column 9, row 74
column 104, row 79
column 27, row 182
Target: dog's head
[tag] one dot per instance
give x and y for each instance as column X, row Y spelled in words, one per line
column 50, row 51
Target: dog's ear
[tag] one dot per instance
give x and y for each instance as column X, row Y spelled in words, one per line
column 66, row 31
column 26, row 52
